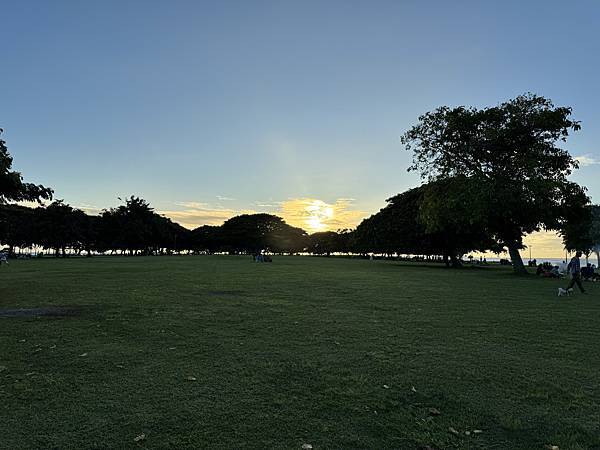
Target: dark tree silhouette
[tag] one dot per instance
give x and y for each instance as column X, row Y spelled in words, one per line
column 511, row 153
column 252, row 233
column 328, row 242
column 205, row 239
column 582, row 232
column 416, row 222
column 12, row 187
column 59, row 227
column 17, row 227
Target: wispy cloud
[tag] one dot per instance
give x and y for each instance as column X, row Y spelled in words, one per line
column 307, row 213
column 225, row 199
column 267, row 204
column 543, row 244
column 196, row 214
column 586, row 160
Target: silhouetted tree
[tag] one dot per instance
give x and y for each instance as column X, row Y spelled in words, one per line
column 421, row 221
column 450, row 211
column 12, row 187
column 205, row 239
column 58, row 227
column 252, row 233
column 327, row 242
column 582, row 232
column 510, row 153
column 396, row 228
column 17, row 227
column 128, row 227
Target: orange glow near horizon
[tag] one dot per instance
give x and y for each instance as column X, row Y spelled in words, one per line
column 318, row 213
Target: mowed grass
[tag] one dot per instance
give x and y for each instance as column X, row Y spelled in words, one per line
column 336, row 353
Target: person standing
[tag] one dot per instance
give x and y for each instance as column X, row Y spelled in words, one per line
column 574, row 268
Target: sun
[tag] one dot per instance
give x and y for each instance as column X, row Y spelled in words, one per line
column 318, row 213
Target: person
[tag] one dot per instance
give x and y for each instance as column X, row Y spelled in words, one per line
column 574, row 268
column 3, row 257
column 587, row 272
column 562, row 268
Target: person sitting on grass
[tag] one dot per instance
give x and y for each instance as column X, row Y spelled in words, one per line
column 574, row 268
column 547, row 270
column 588, row 273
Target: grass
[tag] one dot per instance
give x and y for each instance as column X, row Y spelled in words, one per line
column 336, row 353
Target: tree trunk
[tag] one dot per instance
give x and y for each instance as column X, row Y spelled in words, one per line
column 598, row 257
column 515, row 257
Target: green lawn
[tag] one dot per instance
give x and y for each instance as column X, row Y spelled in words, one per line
column 336, row 353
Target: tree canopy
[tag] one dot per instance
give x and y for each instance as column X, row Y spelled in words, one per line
column 420, row 221
column 12, row 186
column 582, row 232
column 510, row 153
column 134, row 228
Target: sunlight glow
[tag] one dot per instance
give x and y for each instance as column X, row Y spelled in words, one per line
column 318, row 213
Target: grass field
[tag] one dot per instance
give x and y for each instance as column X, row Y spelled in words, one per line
column 219, row 352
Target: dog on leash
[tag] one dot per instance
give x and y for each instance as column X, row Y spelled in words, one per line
column 565, row 292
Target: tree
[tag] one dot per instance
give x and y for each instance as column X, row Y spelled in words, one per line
column 395, row 228
column 17, row 226
column 252, row 233
column 421, row 222
column 12, row 187
column 582, row 232
column 58, row 227
column 129, row 227
column 205, row 239
column 327, row 242
column 451, row 215
column 510, row 153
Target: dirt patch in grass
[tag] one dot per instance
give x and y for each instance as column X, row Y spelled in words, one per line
column 47, row 311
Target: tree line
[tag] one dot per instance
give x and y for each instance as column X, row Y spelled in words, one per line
column 490, row 176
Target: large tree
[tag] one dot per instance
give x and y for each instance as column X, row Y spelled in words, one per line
column 421, row 221
column 328, row 242
column 12, row 187
column 512, row 156
column 252, row 233
column 58, row 227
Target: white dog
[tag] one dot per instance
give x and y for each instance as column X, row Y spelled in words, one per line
column 564, row 292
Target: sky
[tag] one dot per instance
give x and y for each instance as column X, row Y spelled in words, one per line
column 211, row 109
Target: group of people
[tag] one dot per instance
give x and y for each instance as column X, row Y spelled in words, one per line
column 547, row 270
column 573, row 269
column 261, row 257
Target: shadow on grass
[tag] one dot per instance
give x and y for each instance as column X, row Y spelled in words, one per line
column 46, row 311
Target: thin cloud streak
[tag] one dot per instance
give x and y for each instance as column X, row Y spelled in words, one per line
column 586, row 160
column 307, row 213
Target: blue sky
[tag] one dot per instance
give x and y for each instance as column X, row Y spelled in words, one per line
column 227, row 106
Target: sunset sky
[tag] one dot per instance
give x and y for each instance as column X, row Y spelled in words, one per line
column 212, row 109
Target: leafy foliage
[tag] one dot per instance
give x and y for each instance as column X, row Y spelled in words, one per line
column 510, row 153
column 433, row 219
column 582, row 232
column 12, row 187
